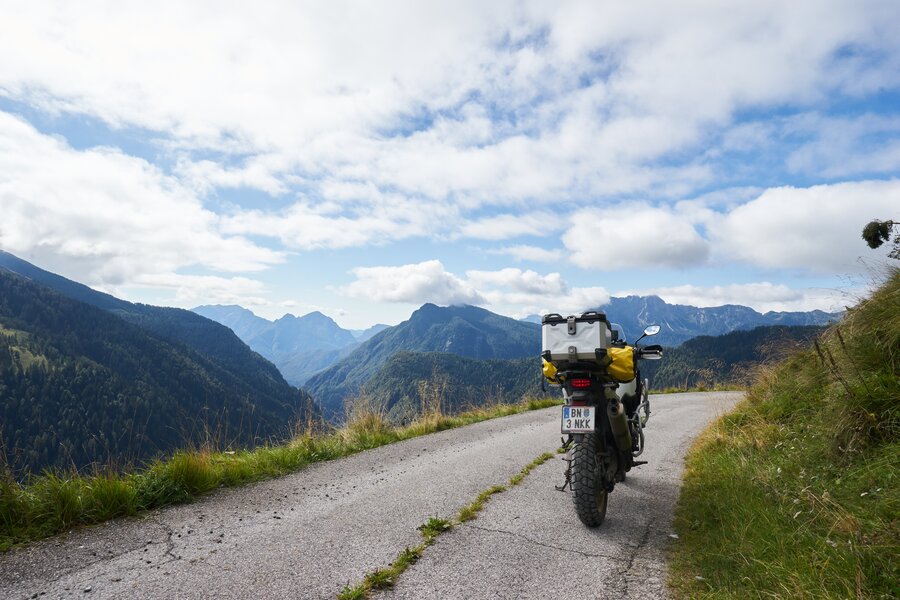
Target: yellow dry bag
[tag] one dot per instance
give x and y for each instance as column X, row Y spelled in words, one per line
column 549, row 371
column 622, row 367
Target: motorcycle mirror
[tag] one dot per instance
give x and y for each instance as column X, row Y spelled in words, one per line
column 650, row 330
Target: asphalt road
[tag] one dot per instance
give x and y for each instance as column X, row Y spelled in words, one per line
column 528, row 543
column 309, row 534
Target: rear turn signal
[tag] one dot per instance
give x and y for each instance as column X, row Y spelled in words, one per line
column 580, row 384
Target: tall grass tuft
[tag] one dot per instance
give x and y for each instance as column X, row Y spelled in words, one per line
column 796, row 493
column 108, row 496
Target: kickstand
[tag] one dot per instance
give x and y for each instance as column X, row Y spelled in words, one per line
column 568, row 482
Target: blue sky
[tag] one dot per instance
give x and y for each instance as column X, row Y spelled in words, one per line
column 522, row 156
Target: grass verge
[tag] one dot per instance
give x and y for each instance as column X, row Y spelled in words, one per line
column 54, row 502
column 380, row 579
column 795, row 494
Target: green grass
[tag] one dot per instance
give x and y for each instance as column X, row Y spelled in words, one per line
column 380, row 579
column 430, row 530
column 470, row 511
column 796, row 494
column 54, row 502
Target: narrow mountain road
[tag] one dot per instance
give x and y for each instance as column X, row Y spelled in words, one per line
column 528, row 543
column 309, row 534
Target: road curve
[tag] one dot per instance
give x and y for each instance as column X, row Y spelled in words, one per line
column 308, row 534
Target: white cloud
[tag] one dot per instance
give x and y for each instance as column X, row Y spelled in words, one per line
column 414, row 284
column 633, row 236
column 491, row 102
column 205, row 175
column 305, row 225
column 762, row 296
column 386, row 122
column 505, row 226
column 524, row 252
column 189, row 290
column 817, row 228
column 842, row 147
column 508, row 291
column 521, row 281
column 520, row 293
column 108, row 219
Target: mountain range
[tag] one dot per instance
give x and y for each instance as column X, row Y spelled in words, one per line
column 411, row 383
column 680, row 323
column 475, row 333
column 86, row 377
column 298, row 346
column 315, row 352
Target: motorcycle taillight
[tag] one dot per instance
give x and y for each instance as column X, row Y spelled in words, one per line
column 580, row 383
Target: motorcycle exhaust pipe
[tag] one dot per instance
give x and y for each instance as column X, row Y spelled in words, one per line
column 618, row 422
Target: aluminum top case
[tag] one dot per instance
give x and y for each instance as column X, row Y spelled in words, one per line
column 575, row 339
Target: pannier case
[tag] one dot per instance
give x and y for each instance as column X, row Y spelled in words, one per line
column 584, row 338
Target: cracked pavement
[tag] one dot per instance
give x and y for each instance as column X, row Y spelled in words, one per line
column 528, row 543
column 305, row 535
column 309, row 534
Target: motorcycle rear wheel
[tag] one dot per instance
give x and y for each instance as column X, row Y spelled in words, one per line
column 588, row 487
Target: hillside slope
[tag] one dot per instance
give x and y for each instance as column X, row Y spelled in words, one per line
column 732, row 358
column 215, row 341
column 410, row 384
column 80, row 385
column 797, row 492
column 462, row 330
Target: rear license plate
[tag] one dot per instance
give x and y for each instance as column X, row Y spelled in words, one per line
column 578, row 419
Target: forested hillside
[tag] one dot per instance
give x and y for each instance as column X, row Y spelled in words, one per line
column 461, row 330
column 414, row 383
column 214, row 341
column 730, row 359
column 78, row 384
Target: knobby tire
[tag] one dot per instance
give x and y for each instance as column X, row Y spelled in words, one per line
column 588, row 487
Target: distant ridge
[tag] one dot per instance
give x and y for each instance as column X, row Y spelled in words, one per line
column 362, row 335
column 731, row 358
column 680, row 323
column 298, row 346
column 241, row 321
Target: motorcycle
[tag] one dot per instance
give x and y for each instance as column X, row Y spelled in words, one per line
column 606, row 405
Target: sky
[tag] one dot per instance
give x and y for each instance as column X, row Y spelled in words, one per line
column 363, row 158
